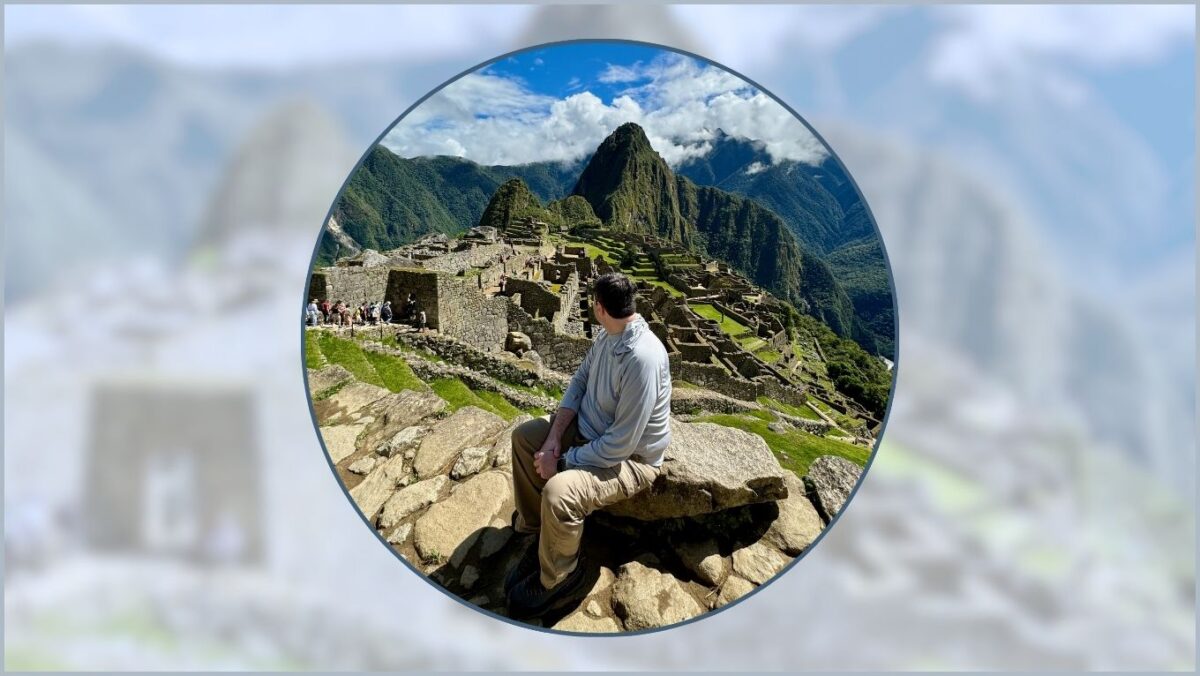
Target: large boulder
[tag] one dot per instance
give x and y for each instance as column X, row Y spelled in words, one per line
column 645, row 598
column 798, row 523
column 321, row 380
column 831, row 480
column 502, row 450
column 340, row 440
column 733, row 589
column 347, row 404
column 378, row 486
column 450, row 527
column 410, row 500
column 468, row 426
column 758, row 562
column 707, row 468
column 396, row 412
column 518, row 343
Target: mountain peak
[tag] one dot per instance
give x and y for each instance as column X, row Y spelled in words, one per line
column 630, row 186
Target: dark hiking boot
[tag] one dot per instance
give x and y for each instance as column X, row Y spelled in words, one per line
column 526, row 566
column 529, row 599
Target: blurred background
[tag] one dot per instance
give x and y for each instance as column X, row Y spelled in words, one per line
column 167, row 504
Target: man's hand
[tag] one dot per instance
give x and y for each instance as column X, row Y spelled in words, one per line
column 546, row 459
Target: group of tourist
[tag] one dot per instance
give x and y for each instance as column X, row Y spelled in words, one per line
column 340, row 314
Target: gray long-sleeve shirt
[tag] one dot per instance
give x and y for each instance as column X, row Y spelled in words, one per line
column 622, row 396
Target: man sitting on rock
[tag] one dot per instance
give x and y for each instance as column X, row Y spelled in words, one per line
column 603, row 445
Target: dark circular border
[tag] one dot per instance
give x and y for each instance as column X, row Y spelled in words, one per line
column 895, row 338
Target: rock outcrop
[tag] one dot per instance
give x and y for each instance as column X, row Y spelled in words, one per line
column 708, row 468
column 645, row 597
column 831, row 480
column 322, row 380
column 468, row 426
column 722, row 519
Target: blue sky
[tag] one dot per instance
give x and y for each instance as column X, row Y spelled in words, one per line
column 568, row 69
column 558, row 103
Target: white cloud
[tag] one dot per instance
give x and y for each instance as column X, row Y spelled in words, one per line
column 755, row 168
column 614, row 73
column 751, row 36
column 985, row 48
column 678, row 101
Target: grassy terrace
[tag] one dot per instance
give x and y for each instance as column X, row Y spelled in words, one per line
column 794, row 449
column 798, row 411
column 735, row 329
column 392, row 372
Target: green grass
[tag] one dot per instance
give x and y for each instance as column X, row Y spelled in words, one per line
column 349, row 355
column 750, row 343
column 655, row 281
column 795, row 450
column 423, row 354
column 541, row 390
column 593, row 251
column 457, row 395
column 536, row 411
column 685, row 385
column 729, row 325
column 798, row 411
column 325, row 394
column 394, row 372
column 498, row 404
column 769, row 355
column 313, row 358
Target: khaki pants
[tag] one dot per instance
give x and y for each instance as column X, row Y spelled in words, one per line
column 557, row 508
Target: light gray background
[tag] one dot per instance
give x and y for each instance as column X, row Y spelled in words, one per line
column 1031, row 170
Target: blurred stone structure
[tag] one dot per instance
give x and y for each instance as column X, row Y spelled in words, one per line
column 173, row 470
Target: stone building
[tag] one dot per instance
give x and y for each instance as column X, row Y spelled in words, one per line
column 197, row 501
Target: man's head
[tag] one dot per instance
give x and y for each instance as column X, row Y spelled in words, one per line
column 614, row 299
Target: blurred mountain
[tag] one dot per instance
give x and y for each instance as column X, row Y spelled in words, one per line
column 297, row 143
column 972, row 272
column 152, row 197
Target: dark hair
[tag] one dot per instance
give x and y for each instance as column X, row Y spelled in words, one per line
column 615, row 292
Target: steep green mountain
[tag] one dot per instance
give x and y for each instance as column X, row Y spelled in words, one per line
column 860, row 268
column 574, row 210
column 727, row 157
column 390, row 200
column 631, row 188
column 823, row 210
column 815, row 201
column 514, row 201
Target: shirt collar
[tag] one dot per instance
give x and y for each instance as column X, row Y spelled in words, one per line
column 629, row 336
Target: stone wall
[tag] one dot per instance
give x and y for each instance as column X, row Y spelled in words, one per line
column 719, row 380
column 350, row 284
column 788, row 394
column 452, row 305
column 493, row 365
column 560, row 352
column 467, row 258
column 570, row 296
column 421, row 283
column 699, row 353
column 535, row 298
column 470, row 316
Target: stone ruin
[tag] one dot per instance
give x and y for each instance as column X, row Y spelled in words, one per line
column 722, row 519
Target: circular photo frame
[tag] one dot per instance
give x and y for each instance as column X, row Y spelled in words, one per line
column 599, row 337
